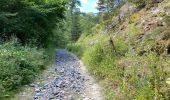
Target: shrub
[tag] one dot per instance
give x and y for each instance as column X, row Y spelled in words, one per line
column 18, row 66
column 101, row 62
column 121, row 46
column 75, row 48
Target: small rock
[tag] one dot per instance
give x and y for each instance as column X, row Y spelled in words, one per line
column 39, row 94
column 37, row 90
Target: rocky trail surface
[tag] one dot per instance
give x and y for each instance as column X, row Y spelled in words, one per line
column 67, row 80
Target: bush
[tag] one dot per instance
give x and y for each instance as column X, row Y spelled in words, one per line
column 75, row 48
column 18, row 66
column 101, row 61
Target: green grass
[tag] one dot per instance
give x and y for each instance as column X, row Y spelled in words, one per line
column 131, row 68
column 133, row 30
column 101, row 57
column 75, row 48
column 19, row 65
column 123, row 73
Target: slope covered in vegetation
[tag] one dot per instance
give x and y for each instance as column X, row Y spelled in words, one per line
column 126, row 46
column 29, row 34
column 128, row 52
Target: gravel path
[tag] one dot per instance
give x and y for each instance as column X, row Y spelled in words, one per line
column 69, row 81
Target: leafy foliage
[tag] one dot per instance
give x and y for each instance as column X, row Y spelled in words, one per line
column 30, row 21
column 19, row 66
column 108, row 5
column 75, row 48
column 87, row 21
column 36, row 24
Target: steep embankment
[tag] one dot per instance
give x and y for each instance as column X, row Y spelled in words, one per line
column 68, row 79
column 131, row 58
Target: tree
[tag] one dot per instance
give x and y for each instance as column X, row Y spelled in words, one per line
column 87, row 21
column 74, row 4
column 101, row 5
column 75, row 25
column 76, row 30
column 31, row 21
column 108, row 5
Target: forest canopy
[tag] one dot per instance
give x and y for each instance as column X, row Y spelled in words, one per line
column 30, row 20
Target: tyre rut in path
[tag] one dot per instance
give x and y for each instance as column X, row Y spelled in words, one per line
column 72, row 83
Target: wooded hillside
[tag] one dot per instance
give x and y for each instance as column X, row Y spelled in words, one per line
column 125, row 45
column 128, row 50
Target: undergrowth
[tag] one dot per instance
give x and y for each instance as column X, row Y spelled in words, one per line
column 122, row 72
column 128, row 66
column 18, row 66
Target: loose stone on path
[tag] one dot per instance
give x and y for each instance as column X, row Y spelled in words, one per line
column 68, row 79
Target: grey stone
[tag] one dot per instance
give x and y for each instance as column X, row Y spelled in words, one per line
column 68, row 81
